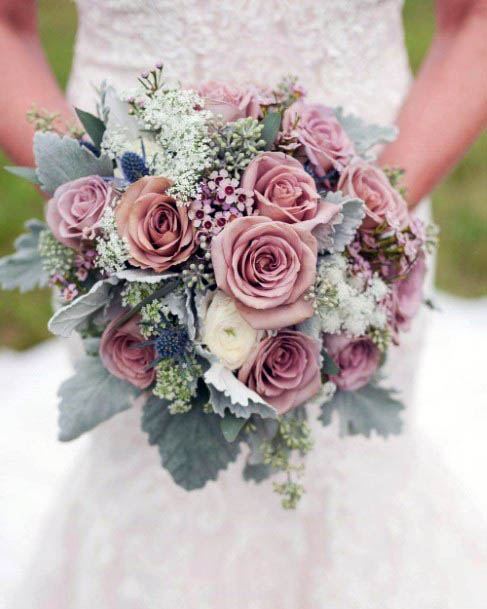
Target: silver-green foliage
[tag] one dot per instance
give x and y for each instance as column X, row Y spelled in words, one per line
column 23, row 269
column 89, row 397
column 192, row 446
column 63, row 159
column 369, row 409
column 365, row 135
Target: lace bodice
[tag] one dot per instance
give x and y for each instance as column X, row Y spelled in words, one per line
column 345, row 52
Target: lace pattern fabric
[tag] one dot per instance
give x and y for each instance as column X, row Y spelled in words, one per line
column 381, row 525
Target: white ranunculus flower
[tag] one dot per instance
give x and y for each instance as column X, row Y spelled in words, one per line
column 226, row 333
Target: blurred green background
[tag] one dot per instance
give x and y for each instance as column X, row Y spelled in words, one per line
column 460, row 203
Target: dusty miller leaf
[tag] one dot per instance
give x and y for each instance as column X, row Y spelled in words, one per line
column 23, row 269
column 74, row 315
column 228, row 393
column 344, row 226
column 92, row 395
column 191, row 445
column 364, row 135
column 26, row 173
column 371, row 408
column 63, row 159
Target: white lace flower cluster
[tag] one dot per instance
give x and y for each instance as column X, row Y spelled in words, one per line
column 182, row 128
column 112, row 250
column 348, row 303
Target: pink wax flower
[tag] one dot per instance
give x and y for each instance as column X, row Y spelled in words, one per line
column 357, row 358
column 383, row 204
column 284, row 191
column 324, row 140
column 120, row 357
column 75, row 210
column 284, row 370
column 266, row 267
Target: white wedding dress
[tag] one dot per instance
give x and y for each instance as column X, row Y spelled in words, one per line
column 381, row 525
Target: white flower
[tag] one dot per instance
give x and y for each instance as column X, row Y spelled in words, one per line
column 226, row 333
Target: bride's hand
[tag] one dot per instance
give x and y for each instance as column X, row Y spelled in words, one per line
column 26, row 78
column 446, row 108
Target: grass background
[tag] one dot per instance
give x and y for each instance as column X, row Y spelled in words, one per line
column 460, row 205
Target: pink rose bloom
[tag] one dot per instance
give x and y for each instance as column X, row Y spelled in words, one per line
column 121, row 359
column 408, row 295
column 382, row 202
column 284, row 191
column 266, row 267
column 325, row 141
column 75, row 210
column 158, row 232
column 357, row 358
column 230, row 101
column 284, row 370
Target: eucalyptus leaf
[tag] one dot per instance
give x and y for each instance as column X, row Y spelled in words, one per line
column 371, row 408
column 271, row 126
column 231, row 426
column 63, row 159
column 75, row 314
column 365, row 135
column 191, row 445
column 92, row 395
column 228, row 393
column 94, row 126
column 26, row 173
column 23, row 269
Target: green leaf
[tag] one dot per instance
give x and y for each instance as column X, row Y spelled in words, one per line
column 74, row 315
column 329, row 366
column 92, row 395
column 26, row 173
column 192, row 446
column 94, row 126
column 364, row 135
column 371, row 408
column 63, row 159
column 272, row 124
column 23, row 269
column 231, row 426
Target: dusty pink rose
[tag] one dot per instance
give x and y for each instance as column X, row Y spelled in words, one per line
column 284, row 370
column 121, row 359
column 75, row 210
column 382, row 202
column 408, row 295
column 357, row 358
column 284, row 191
column 230, row 101
column 158, row 232
column 325, row 142
column 266, row 267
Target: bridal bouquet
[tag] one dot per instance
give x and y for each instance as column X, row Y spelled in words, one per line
column 233, row 256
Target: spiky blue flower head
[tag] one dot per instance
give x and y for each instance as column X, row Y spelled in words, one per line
column 326, row 182
column 133, row 166
column 171, row 342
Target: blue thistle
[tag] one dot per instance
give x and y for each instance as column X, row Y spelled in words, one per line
column 133, row 166
column 327, row 182
column 171, row 343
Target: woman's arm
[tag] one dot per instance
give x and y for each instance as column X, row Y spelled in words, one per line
column 446, row 108
column 26, row 78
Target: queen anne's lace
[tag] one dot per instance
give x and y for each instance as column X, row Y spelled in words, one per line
column 380, row 527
